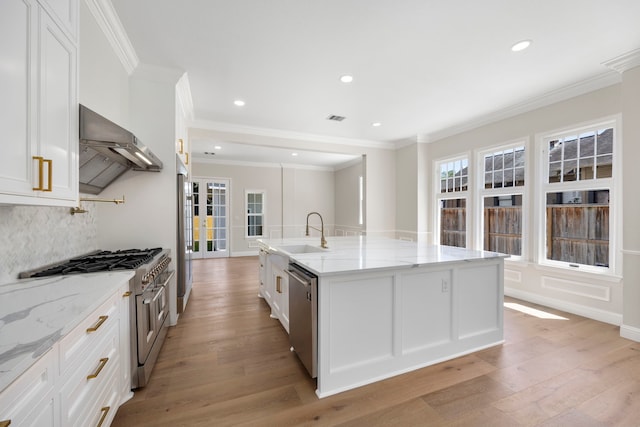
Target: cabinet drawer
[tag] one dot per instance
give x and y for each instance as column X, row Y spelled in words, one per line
column 86, row 335
column 79, row 393
column 102, row 411
column 28, row 401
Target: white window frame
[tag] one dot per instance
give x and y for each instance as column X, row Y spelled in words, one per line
column 466, row 195
column 246, row 213
column 504, row 191
column 615, row 200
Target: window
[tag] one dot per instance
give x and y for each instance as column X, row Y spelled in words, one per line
column 255, row 213
column 452, row 193
column 579, row 168
column 502, row 195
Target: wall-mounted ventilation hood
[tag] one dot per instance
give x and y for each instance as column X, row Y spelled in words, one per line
column 107, row 151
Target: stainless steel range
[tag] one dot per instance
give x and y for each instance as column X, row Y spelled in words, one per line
column 148, row 310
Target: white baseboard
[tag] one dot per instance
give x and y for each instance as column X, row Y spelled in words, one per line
column 580, row 310
column 245, row 253
column 630, row 333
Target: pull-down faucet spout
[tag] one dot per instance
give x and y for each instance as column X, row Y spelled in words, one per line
column 323, row 241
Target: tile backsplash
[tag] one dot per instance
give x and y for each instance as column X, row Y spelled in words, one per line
column 33, row 236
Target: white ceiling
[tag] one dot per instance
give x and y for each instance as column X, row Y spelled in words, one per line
column 420, row 67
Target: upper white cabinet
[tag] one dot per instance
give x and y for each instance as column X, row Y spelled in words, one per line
column 39, row 117
column 184, row 112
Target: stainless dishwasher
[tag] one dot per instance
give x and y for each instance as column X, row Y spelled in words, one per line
column 303, row 316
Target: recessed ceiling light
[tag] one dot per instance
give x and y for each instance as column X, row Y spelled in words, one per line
column 239, row 102
column 217, row 147
column 376, row 124
column 294, row 154
column 346, row 78
column 521, row 45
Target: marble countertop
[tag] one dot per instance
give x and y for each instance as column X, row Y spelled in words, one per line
column 36, row 313
column 354, row 254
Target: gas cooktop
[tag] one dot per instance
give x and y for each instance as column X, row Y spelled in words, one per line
column 128, row 259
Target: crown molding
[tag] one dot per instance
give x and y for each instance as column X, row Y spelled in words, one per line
column 157, row 73
column 562, row 94
column 284, row 134
column 624, row 62
column 207, row 160
column 109, row 22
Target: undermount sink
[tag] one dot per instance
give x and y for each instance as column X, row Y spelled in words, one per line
column 301, row 249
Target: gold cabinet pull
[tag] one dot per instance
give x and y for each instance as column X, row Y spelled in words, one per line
column 187, row 162
column 40, row 160
column 99, row 323
column 49, row 163
column 103, row 362
column 278, row 284
column 126, row 294
column 105, row 411
column 181, row 146
column 5, row 423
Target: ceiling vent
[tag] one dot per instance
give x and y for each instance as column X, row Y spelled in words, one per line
column 336, row 118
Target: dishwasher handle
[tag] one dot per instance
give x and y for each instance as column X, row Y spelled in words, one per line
column 304, row 280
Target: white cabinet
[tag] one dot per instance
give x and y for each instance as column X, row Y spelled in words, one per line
column 30, row 400
column 39, row 113
column 184, row 112
column 83, row 378
column 276, row 288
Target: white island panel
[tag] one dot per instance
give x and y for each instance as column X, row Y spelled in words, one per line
column 426, row 302
column 480, row 310
column 373, row 326
column 361, row 321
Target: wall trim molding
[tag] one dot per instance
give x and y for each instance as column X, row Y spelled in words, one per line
column 630, row 333
column 244, row 253
column 624, row 62
column 109, row 22
column 561, row 94
column 285, row 134
column 630, row 252
column 581, row 310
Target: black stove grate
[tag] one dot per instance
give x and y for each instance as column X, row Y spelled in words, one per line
column 129, row 259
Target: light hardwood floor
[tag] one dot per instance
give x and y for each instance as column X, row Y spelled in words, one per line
column 228, row 363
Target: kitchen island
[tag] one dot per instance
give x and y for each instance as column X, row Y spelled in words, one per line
column 386, row 307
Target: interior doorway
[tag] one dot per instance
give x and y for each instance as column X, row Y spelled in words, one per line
column 210, row 217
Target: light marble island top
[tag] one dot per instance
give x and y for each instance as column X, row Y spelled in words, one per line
column 360, row 253
column 36, row 313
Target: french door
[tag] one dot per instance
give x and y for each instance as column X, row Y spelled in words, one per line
column 210, row 218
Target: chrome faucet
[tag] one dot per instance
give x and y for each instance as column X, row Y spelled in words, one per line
column 323, row 241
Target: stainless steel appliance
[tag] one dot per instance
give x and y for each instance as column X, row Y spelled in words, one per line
column 303, row 316
column 107, row 151
column 148, row 310
column 184, row 229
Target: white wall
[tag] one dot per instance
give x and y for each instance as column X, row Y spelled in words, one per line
column 291, row 193
column 573, row 292
column 347, row 198
column 631, row 197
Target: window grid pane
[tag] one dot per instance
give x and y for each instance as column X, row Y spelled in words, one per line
column 573, row 158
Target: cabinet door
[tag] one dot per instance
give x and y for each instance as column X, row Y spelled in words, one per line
column 18, row 87
column 65, row 13
column 58, row 112
column 29, row 400
column 280, row 306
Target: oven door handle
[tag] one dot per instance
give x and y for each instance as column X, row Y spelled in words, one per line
column 158, row 290
column 156, row 294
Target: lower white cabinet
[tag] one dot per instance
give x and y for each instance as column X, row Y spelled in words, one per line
column 30, row 400
column 275, row 290
column 83, row 379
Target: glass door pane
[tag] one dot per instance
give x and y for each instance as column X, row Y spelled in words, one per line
column 210, row 225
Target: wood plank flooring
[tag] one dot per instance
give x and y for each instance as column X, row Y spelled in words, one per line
column 227, row 363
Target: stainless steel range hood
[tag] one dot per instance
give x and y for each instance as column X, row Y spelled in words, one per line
column 107, row 151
